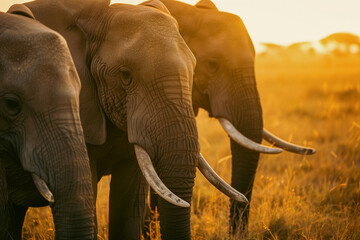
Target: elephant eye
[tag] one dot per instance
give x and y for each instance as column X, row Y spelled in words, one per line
column 12, row 104
column 212, row 66
column 126, row 77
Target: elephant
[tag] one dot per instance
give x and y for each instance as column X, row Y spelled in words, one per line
column 42, row 145
column 225, row 86
column 136, row 110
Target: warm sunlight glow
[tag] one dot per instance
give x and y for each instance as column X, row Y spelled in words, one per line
column 282, row 21
column 288, row 21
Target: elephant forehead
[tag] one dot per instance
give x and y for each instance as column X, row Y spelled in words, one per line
column 222, row 35
column 27, row 62
column 36, row 77
column 25, row 40
column 43, row 83
column 33, row 55
column 130, row 45
column 222, row 23
column 129, row 19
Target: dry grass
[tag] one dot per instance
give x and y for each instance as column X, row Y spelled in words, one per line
column 313, row 101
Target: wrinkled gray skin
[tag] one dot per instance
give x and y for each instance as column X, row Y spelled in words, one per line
column 225, row 85
column 40, row 130
column 136, row 73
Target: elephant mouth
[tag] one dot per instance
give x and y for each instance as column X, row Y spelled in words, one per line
column 159, row 187
column 269, row 137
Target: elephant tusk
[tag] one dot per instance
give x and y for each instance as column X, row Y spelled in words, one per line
column 218, row 182
column 269, row 137
column 43, row 188
column 153, row 179
column 244, row 141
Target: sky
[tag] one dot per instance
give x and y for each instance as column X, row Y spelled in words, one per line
column 282, row 21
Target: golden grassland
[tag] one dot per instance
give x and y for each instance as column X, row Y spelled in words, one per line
column 311, row 100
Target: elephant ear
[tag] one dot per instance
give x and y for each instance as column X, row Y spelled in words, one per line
column 92, row 116
column 95, row 32
column 206, row 4
column 22, row 10
column 156, row 4
column 74, row 13
column 64, row 17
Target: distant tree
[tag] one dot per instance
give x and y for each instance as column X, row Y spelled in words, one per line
column 346, row 38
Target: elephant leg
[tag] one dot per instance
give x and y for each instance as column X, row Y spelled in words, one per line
column 14, row 185
column 17, row 216
column 4, row 203
column 239, row 217
column 128, row 192
column 244, row 167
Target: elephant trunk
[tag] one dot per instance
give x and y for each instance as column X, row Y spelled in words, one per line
column 60, row 158
column 246, row 116
column 177, row 170
column 73, row 209
column 174, row 151
column 244, row 165
column 176, row 162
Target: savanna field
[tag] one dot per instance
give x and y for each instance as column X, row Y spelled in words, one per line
column 308, row 99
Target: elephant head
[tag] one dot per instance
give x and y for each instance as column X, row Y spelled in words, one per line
column 143, row 70
column 225, row 86
column 40, row 128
